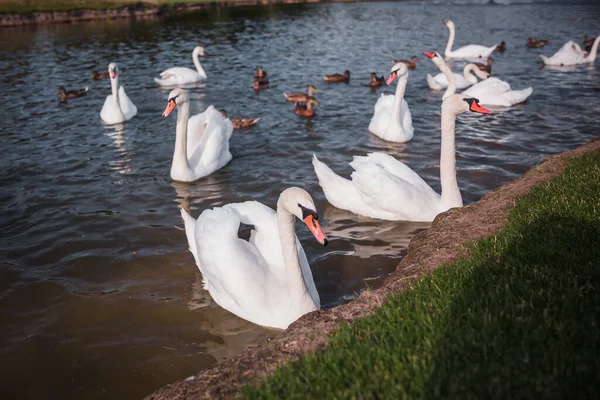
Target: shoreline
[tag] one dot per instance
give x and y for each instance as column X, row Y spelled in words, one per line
column 138, row 10
column 427, row 251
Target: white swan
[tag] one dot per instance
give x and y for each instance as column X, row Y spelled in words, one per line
column 490, row 92
column 469, row 51
column 201, row 143
column 385, row 188
column 391, row 118
column 117, row 107
column 266, row 280
column 179, row 76
column 571, row 54
column 469, row 77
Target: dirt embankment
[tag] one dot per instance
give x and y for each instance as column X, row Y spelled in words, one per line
column 444, row 242
column 139, row 10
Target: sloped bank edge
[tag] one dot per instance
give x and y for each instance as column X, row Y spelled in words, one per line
column 444, row 242
column 140, row 10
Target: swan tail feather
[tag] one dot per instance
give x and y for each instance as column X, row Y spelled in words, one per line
column 518, row 96
column 334, row 186
column 190, row 226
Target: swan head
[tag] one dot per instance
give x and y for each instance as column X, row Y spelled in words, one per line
column 399, row 69
column 176, row 97
column 435, row 57
column 460, row 103
column 449, row 24
column 113, row 70
column 300, row 204
column 200, row 51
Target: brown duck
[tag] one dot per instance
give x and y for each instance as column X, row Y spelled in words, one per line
column 485, row 67
column 100, row 75
column 260, row 73
column 306, row 110
column 64, row 94
column 500, row 48
column 412, row 64
column 588, row 43
column 260, row 83
column 376, row 81
column 240, row 123
column 345, row 77
column 535, row 43
column 300, row 97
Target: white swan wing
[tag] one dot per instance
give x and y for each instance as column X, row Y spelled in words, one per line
column 406, row 120
column 472, row 51
column 127, row 107
column 108, row 113
column 487, row 87
column 179, row 76
column 381, row 114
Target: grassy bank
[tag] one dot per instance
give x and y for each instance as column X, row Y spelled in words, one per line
column 518, row 318
column 29, row 6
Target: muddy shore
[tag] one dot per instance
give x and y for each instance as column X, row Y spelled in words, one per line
column 444, row 242
column 139, row 10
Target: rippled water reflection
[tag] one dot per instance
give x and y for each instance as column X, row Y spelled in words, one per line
column 99, row 297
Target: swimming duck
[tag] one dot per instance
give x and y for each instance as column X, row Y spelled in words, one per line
column 587, row 43
column 100, row 75
column 485, row 67
column 412, row 64
column 240, row 123
column 501, row 47
column 260, row 73
column 260, row 83
column 345, row 77
column 306, row 110
column 535, row 43
column 376, row 81
column 300, row 97
column 64, row 94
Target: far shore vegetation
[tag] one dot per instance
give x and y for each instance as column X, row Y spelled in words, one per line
column 517, row 318
column 29, row 6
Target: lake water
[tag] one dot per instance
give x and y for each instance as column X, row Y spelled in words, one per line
column 99, row 296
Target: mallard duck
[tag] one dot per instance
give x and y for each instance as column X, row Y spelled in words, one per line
column 345, row 77
column 501, row 47
column 588, row 43
column 240, row 123
column 306, row 110
column 260, row 83
column 375, row 81
column 535, row 43
column 100, row 75
column 412, row 64
column 485, row 67
column 300, row 97
column 64, row 94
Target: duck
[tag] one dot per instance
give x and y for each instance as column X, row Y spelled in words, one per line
column 587, row 43
column 267, row 279
column 536, row 43
column 240, row 123
column 376, row 81
column 180, row 76
column 501, row 47
column 571, row 54
column 469, row 51
column 487, row 67
column 464, row 80
column 201, row 142
column 71, row 94
column 117, row 107
column 306, row 110
column 299, row 97
column 345, row 77
column 260, row 73
column 412, row 64
column 384, row 188
column 260, row 83
column 391, row 119
column 100, row 75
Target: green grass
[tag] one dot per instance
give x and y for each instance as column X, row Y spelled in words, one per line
column 518, row 318
column 29, row 6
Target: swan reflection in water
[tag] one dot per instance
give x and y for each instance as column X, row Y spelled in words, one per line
column 204, row 193
column 122, row 163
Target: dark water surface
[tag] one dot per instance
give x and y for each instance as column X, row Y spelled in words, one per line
column 99, row 297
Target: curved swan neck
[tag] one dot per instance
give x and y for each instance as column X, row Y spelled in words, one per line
column 451, row 196
column 451, row 89
column 180, row 159
column 400, row 89
column 468, row 73
column 285, row 221
column 114, row 86
column 594, row 51
column 450, row 41
column 197, row 64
